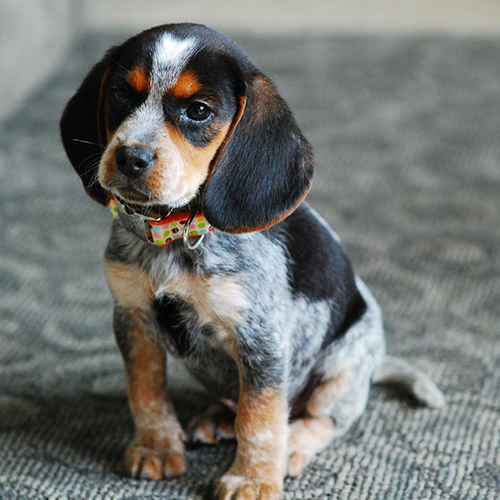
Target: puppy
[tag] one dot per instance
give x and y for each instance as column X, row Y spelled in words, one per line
column 214, row 258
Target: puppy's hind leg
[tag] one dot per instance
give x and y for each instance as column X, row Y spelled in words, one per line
column 330, row 411
column 341, row 396
column 214, row 424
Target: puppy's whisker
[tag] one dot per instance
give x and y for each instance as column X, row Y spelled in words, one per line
column 92, row 160
column 111, row 60
column 94, row 180
column 87, row 142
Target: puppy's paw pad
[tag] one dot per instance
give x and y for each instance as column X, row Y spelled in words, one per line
column 233, row 487
column 154, row 464
column 215, row 424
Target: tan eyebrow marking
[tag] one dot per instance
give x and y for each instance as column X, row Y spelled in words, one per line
column 186, row 85
column 139, row 79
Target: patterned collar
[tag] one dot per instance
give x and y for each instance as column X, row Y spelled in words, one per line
column 162, row 231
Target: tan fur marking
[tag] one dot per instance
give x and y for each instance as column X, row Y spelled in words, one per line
column 264, row 88
column 107, row 173
column 327, row 393
column 139, row 79
column 146, row 377
column 312, row 434
column 260, row 419
column 196, row 160
column 261, row 429
column 230, row 130
column 186, row 85
column 109, row 136
column 132, row 287
column 108, row 168
column 308, row 436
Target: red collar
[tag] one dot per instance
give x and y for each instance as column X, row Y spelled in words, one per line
column 163, row 231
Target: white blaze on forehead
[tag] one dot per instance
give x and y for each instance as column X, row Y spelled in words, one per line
column 170, row 56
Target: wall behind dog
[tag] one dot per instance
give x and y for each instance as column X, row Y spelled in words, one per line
column 35, row 34
column 282, row 16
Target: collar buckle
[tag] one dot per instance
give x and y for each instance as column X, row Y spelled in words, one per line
column 185, row 233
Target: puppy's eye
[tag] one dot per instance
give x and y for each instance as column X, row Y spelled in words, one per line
column 121, row 98
column 198, row 111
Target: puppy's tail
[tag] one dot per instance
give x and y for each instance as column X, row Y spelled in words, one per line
column 399, row 372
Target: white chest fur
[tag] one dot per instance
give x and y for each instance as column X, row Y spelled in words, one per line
column 218, row 301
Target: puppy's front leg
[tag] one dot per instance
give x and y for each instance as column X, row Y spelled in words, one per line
column 157, row 450
column 261, row 428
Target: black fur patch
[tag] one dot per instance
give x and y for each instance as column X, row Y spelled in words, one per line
column 321, row 270
column 319, row 266
column 338, row 327
column 121, row 327
column 80, row 132
column 262, row 364
column 172, row 316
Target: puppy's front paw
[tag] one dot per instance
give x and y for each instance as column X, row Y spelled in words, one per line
column 235, row 487
column 155, row 460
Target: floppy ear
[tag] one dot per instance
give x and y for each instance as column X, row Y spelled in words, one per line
column 266, row 168
column 82, row 129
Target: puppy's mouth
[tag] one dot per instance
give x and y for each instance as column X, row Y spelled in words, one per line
column 133, row 195
column 139, row 202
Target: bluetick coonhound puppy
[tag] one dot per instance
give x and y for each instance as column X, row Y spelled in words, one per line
column 214, row 258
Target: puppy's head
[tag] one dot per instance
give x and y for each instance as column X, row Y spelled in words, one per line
column 180, row 113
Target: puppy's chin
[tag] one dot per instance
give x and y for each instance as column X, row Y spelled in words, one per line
column 140, row 202
column 130, row 195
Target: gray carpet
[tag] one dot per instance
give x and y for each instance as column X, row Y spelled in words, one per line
column 407, row 140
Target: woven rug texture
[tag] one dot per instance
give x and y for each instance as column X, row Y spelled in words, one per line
column 406, row 133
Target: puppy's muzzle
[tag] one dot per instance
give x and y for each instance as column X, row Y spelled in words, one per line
column 134, row 161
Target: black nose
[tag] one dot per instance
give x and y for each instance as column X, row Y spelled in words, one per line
column 133, row 161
